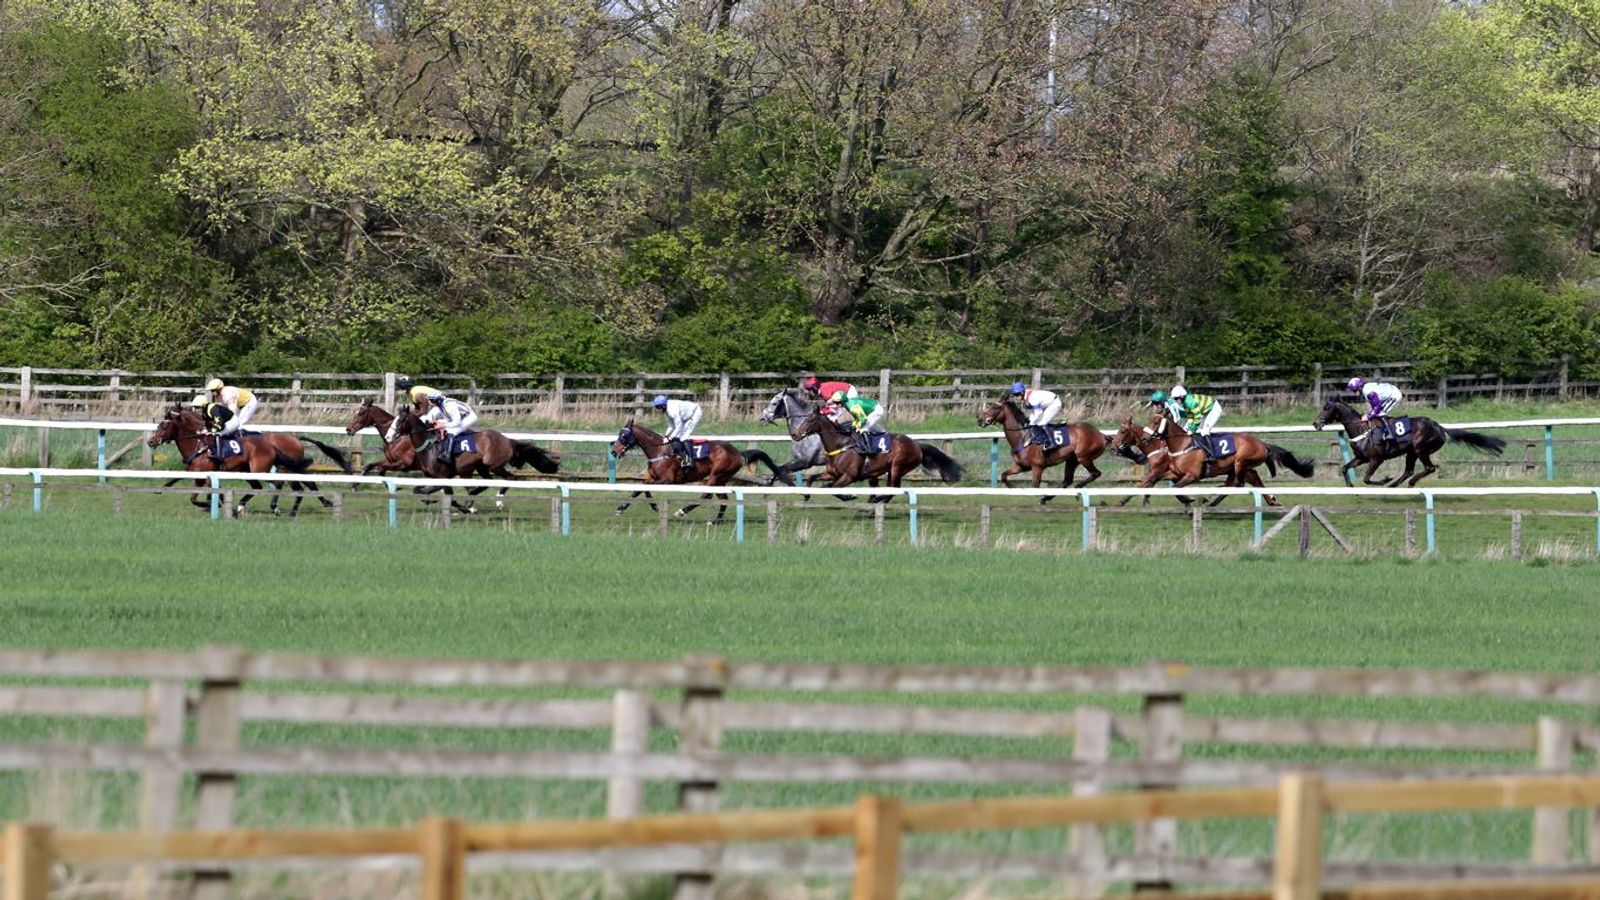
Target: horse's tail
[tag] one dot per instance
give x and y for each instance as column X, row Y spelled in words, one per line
column 333, row 453
column 1305, row 468
column 937, row 462
column 526, row 454
column 1483, row 443
column 751, row 457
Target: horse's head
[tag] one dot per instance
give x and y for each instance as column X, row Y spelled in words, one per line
column 778, row 408
column 991, row 414
column 812, row 424
column 1331, row 410
column 625, row 440
column 167, row 429
column 362, row 418
column 408, row 422
column 1128, row 439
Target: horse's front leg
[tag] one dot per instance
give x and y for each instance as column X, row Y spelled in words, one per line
column 1411, row 466
column 1372, row 469
column 1233, row 480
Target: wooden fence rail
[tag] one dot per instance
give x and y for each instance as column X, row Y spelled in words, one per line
column 877, row 825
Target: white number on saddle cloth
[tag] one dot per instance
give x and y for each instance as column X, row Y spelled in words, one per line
column 1401, row 426
column 233, row 447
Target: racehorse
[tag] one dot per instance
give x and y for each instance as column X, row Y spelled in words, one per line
column 1085, row 445
column 791, row 405
column 398, row 454
column 1145, row 447
column 722, row 463
column 1187, row 465
column 492, row 456
column 1425, row 439
column 846, row 464
column 259, row 452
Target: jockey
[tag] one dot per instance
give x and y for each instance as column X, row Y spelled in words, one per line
column 1042, row 406
column 683, row 417
column 866, row 415
column 415, row 394
column 451, row 416
column 826, row 389
column 239, row 401
column 1381, row 398
column 1168, row 405
column 1200, row 413
column 215, row 416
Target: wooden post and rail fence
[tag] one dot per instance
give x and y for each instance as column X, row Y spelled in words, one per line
column 911, row 392
column 877, row 825
column 195, row 706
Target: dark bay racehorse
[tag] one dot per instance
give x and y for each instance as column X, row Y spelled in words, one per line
column 1085, row 446
column 494, row 455
column 1425, row 439
column 261, row 452
column 664, row 467
column 791, row 405
column 847, row 465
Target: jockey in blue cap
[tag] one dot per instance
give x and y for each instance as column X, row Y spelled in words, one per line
column 683, row 416
column 1042, row 407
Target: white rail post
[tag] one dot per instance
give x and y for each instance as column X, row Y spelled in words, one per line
column 883, row 386
column 388, row 390
column 27, row 388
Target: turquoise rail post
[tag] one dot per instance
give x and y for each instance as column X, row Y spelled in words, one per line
column 100, row 453
column 394, row 502
column 38, row 491
column 1597, row 520
column 1549, row 453
column 799, row 479
column 611, row 466
column 1427, row 502
column 738, row 517
column 994, row 462
column 1255, row 498
column 1344, row 446
column 1088, row 539
column 216, row 496
column 566, row 510
column 911, row 499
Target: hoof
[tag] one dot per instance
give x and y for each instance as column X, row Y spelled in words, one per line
column 238, row 512
column 499, row 504
column 617, row 513
column 678, row 515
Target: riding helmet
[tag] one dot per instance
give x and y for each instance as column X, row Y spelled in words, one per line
column 1356, row 383
column 1018, row 387
column 660, row 401
column 214, row 384
column 1158, row 397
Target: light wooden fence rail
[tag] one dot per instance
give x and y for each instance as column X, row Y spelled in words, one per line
column 877, row 826
column 194, row 706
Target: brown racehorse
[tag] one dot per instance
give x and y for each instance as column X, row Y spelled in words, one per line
column 847, row 465
column 1085, row 445
column 493, row 458
column 1425, row 439
column 261, row 452
column 664, row 467
column 1147, row 449
column 398, row 455
column 1189, row 463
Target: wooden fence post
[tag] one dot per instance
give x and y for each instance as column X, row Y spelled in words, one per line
column 1516, row 534
column 772, row 520
column 1316, row 384
column 114, row 389
column 1197, row 528
column 877, row 525
column 164, row 711
column 1091, row 743
column 216, row 728
column 1562, row 388
column 27, row 861
column 883, row 386
column 1163, row 742
column 630, row 735
column 44, row 448
column 985, row 517
column 724, row 396
column 27, row 387
column 1305, row 533
column 1411, row 532
column 700, row 737
column 1297, row 864
column 443, row 847
column 560, row 396
column 1443, row 396
column 1552, row 827
column 878, row 828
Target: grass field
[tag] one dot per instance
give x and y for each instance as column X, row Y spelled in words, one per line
column 80, row 578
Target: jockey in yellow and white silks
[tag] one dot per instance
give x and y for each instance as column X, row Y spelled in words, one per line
column 239, row 401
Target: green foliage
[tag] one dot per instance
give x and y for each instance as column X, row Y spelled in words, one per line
column 543, row 337
column 1503, row 325
column 1269, row 328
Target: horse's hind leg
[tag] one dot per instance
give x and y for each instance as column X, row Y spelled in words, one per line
column 1411, row 466
column 1094, row 474
column 1373, row 470
column 1428, row 468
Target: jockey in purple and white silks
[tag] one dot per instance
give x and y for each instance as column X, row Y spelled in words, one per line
column 1382, row 398
column 1042, row 406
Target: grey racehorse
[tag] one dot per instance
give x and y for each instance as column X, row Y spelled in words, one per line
column 792, row 405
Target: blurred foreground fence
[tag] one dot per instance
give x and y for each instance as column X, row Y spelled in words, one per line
column 195, row 705
column 913, row 393
column 876, row 825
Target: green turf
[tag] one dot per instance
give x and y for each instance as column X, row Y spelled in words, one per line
column 81, row 578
